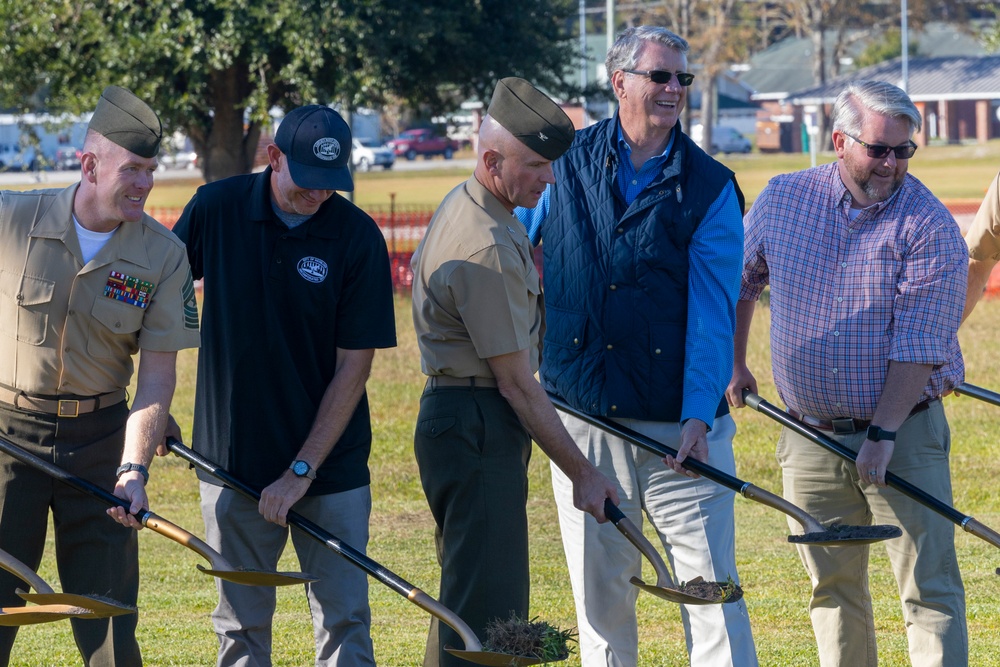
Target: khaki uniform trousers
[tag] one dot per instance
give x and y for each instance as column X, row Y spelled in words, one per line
column 923, row 559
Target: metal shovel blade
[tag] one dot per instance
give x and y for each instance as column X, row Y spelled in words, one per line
column 710, row 593
column 259, row 577
column 840, row 535
column 495, row 659
column 17, row 616
column 90, row 606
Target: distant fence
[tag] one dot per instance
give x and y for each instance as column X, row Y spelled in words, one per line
column 403, row 227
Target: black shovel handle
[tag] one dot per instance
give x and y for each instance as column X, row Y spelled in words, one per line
column 967, row 523
column 966, row 389
column 78, row 483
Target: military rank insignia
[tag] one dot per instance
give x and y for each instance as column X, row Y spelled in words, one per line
column 128, row 289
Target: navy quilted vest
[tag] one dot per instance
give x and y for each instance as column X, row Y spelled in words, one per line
column 616, row 277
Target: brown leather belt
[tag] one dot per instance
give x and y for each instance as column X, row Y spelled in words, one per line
column 436, row 381
column 849, row 425
column 63, row 407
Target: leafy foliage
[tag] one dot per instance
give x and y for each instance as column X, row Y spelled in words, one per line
column 215, row 68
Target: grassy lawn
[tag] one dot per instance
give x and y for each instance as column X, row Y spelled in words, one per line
column 176, row 599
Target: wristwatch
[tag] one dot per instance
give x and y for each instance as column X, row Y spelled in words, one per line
column 302, row 469
column 129, row 467
column 876, row 433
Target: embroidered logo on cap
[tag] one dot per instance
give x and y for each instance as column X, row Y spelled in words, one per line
column 541, row 135
column 327, row 149
column 313, row 269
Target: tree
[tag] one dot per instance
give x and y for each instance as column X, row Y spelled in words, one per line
column 215, row 68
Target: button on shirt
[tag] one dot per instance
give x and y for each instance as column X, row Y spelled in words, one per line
column 847, row 296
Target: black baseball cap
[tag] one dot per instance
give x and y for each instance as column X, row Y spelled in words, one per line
column 317, row 144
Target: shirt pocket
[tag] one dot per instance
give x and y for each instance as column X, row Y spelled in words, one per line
column 115, row 333
column 25, row 302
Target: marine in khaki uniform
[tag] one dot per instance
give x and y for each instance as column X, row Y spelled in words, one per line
column 87, row 279
column 983, row 239
column 477, row 312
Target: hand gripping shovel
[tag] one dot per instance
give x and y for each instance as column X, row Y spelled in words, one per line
column 696, row 591
column 55, row 606
column 815, row 533
column 967, row 523
column 966, row 389
column 473, row 647
column 220, row 567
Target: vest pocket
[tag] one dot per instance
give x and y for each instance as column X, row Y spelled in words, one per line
column 24, row 306
column 565, row 328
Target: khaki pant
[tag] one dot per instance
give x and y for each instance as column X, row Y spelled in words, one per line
column 923, row 559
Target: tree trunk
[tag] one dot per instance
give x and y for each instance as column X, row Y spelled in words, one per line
column 229, row 146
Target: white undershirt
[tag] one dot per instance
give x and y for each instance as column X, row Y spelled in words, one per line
column 91, row 242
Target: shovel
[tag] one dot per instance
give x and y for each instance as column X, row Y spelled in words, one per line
column 966, row 389
column 473, row 647
column 967, row 523
column 220, row 567
column 696, row 591
column 814, row 533
column 62, row 605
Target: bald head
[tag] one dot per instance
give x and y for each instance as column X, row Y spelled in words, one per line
column 495, row 137
column 513, row 172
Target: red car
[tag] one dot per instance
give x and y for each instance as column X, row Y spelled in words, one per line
column 420, row 141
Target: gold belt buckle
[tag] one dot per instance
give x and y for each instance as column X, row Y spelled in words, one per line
column 68, row 408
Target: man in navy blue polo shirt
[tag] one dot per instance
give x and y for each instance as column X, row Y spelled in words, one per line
column 297, row 297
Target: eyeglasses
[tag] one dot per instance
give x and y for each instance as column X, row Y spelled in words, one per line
column 878, row 151
column 662, row 76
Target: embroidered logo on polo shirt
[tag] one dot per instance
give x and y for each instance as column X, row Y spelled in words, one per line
column 313, row 269
column 128, row 289
column 327, row 149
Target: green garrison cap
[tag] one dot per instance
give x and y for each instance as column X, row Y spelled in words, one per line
column 127, row 121
column 532, row 117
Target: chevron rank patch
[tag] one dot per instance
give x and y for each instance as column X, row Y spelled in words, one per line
column 128, row 289
column 190, row 303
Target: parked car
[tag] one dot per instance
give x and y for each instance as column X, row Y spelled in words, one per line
column 421, row 141
column 14, row 157
column 725, row 139
column 367, row 153
column 67, row 158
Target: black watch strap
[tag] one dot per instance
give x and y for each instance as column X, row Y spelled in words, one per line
column 129, row 467
column 876, row 433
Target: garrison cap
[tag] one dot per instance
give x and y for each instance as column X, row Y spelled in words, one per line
column 532, row 117
column 127, row 121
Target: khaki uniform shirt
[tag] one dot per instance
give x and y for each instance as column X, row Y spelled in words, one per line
column 476, row 291
column 983, row 236
column 70, row 329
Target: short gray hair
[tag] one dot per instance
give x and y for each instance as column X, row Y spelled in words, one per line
column 883, row 98
column 624, row 53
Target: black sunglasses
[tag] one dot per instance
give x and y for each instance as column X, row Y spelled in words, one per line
column 878, row 151
column 663, row 77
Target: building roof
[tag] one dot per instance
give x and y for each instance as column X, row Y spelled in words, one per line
column 929, row 79
column 787, row 65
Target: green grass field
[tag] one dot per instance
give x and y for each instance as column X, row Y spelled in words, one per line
column 176, row 598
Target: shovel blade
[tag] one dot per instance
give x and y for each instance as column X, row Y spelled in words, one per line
column 260, row 578
column 838, row 535
column 17, row 616
column 681, row 597
column 91, row 607
column 495, row 659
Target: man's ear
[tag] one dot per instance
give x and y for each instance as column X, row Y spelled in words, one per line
column 88, row 166
column 491, row 159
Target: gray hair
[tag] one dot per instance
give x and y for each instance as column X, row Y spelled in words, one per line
column 624, row 53
column 883, row 98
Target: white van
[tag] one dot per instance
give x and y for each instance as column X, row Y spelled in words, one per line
column 725, row 139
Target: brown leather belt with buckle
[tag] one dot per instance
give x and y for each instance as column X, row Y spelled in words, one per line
column 849, row 425
column 63, row 407
column 436, row 381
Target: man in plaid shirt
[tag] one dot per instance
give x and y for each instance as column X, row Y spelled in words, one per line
column 867, row 271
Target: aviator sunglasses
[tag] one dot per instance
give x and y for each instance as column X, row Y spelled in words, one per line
column 662, row 76
column 878, row 151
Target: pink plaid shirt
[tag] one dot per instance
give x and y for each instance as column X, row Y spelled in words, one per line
column 849, row 296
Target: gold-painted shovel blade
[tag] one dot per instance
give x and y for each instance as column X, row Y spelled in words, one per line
column 841, row 535
column 681, row 597
column 259, row 577
column 495, row 659
column 17, row 616
column 94, row 607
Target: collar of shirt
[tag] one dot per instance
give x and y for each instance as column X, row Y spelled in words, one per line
column 631, row 182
